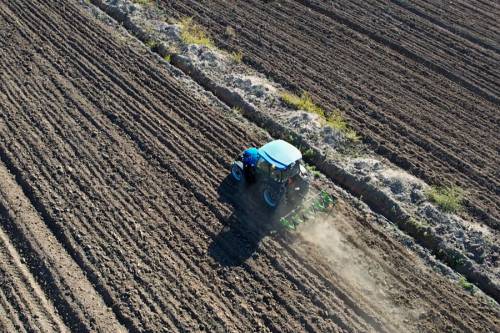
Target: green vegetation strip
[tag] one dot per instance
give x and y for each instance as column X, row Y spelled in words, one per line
column 449, row 199
column 466, row 285
column 192, row 33
column 333, row 119
column 142, row 2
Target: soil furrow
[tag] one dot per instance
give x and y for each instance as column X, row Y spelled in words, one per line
column 453, row 25
column 355, row 22
column 9, row 322
column 128, row 169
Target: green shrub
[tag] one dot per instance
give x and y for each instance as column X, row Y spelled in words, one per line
column 313, row 171
column 466, row 285
column 308, row 154
column 303, row 102
column 192, row 33
column 449, row 199
column 151, row 43
column 237, row 57
column 238, row 109
column 335, row 120
column 142, row 2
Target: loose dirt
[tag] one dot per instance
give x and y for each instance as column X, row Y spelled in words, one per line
column 127, row 168
column 355, row 267
column 23, row 305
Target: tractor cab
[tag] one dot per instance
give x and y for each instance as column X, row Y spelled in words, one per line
column 277, row 168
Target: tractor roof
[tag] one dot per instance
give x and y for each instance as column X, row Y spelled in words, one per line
column 280, row 153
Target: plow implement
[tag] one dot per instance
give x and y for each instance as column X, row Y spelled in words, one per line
column 321, row 202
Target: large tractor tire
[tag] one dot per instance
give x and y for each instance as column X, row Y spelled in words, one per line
column 271, row 195
column 237, row 171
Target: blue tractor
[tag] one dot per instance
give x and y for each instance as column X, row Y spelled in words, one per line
column 277, row 169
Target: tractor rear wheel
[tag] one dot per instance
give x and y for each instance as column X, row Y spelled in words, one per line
column 271, row 196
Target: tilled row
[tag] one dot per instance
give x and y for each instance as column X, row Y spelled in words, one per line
column 131, row 191
column 128, row 170
column 460, row 60
column 23, row 306
column 476, row 21
column 408, row 112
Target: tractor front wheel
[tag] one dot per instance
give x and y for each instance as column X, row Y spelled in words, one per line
column 237, row 171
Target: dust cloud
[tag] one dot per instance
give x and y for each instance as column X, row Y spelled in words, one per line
column 357, row 270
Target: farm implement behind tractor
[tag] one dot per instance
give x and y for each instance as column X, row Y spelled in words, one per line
column 321, row 202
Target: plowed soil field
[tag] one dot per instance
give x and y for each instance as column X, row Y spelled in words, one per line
column 121, row 216
column 419, row 80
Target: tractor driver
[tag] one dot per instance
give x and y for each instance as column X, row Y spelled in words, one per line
column 250, row 158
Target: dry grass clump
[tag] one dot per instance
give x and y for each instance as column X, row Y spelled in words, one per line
column 449, row 199
column 303, row 102
column 142, row 2
column 230, row 32
column 334, row 119
column 237, row 57
column 152, row 44
column 192, row 33
column 466, row 285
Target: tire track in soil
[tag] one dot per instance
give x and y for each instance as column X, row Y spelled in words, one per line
column 421, row 129
column 110, row 153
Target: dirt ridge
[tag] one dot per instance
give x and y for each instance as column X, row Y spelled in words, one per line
column 80, row 308
column 121, row 169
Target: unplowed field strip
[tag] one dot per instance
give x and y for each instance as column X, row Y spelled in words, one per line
column 128, row 170
column 424, row 97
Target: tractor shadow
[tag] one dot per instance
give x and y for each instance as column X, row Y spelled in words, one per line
column 249, row 223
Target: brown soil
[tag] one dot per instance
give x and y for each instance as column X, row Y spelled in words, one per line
column 23, row 306
column 128, row 171
column 64, row 283
column 422, row 95
column 475, row 20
